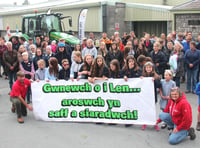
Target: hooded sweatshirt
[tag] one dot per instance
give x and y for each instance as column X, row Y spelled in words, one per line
column 181, row 113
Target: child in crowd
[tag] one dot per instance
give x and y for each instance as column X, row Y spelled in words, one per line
column 149, row 71
column 52, row 71
column 103, row 50
column 159, row 58
column 166, row 85
column 49, row 52
column 53, row 46
column 198, row 116
column 65, row 71
column 141, row 60
column 114, row 69
column 40, row 72
column 39, row 55
column 131, row 68
column 99, row 70
column 141, row 50
column 76, row 65
column 125, row 54
column 90, row 49
column 76, row 48
column 114, row 53
column 85, row 70
column 27, row 67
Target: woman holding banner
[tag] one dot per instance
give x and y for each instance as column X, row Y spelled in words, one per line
column 178, row 115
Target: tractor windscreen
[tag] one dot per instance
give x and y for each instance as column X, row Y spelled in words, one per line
column 49, row 23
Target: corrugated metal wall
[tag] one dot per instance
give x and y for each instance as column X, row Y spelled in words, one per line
column 138, row 14
column 157, row 2
column 12, row 21
column 93, row 20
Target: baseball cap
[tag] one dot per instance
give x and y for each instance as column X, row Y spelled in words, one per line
column 61, row 45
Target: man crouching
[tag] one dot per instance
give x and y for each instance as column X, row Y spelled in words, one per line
column 18, row 95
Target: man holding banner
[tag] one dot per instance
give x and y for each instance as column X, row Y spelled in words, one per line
column 18, row 94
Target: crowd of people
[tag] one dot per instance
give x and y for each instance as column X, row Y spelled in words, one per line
column 168, row 59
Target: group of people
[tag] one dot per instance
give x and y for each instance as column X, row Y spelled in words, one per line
column 168, row 60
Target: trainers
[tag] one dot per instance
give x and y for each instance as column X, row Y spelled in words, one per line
column 198, row 126
column 144, row 127
column 20, row 120
column 187, row 91
column 164, row 125
column 191, row 133
column 156, row 127
column 170, row 128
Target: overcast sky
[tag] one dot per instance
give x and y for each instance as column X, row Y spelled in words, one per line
column 19, row 2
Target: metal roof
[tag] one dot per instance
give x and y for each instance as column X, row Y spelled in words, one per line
column 191, row 5
column 46, row 5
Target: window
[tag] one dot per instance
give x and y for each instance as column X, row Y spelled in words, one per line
column 193, row 22
column 50, row 22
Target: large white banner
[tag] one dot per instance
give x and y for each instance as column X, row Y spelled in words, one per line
column 81, row 24
column 110, row 101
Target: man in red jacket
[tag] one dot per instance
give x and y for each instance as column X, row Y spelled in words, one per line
column 18, row 94
column 178, row 115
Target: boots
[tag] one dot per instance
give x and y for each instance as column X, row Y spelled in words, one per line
column 191, row 133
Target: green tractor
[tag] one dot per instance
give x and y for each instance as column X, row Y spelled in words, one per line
column 47, row 24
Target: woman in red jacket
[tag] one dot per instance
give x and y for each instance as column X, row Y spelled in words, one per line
column 178, row 116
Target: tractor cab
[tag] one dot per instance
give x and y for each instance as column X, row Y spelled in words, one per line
column 47, row 24
column 41, row 24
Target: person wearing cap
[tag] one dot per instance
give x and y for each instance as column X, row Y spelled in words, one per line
column 62, row 54
column 30, row 42
column 67, row 47
column 18, row 94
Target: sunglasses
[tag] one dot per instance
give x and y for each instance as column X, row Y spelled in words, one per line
column 65, row 64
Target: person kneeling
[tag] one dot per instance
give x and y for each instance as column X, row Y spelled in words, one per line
column 18, row 94
column 178, row 116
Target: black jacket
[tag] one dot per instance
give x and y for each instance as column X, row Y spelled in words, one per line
column 161, row 59
column 111, row 56
column 64, row 74
column 63, row 55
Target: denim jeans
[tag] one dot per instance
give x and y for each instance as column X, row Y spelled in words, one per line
column 177, row 80
column 174, row 138
column 192, row 78
column 11, row 76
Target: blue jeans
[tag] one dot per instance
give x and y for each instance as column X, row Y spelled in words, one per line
column 192, row 78
column 174, row 138
column 11, row 76
column 177, row 80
